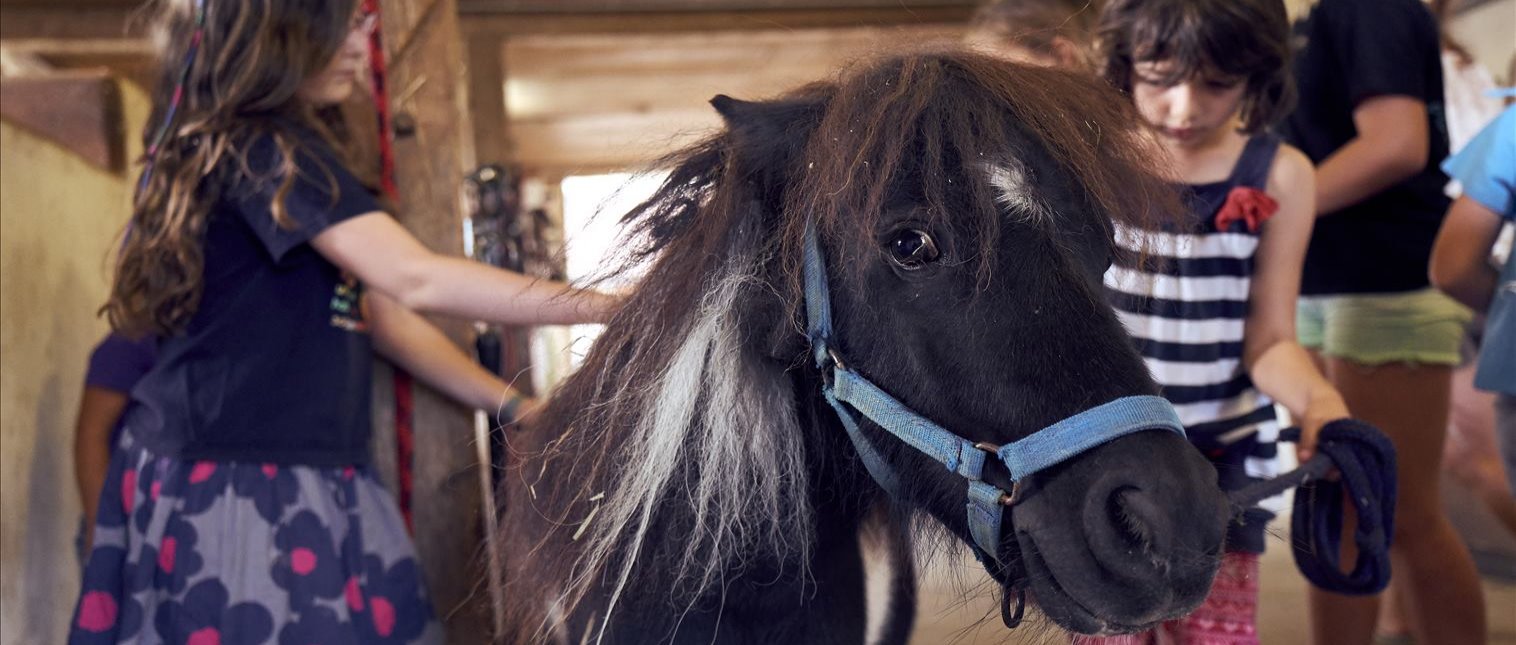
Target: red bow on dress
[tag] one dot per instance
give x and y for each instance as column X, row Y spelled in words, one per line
column 1247, row 205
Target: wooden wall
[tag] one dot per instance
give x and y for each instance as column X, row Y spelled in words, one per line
column 594, row 102
column 60, row 213
column 571, row 93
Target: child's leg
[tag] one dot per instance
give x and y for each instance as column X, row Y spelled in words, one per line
column 1229, row 615
column 1393, row 625
column 1390, row 355
column 1434, row 570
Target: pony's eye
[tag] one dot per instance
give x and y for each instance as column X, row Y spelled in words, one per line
column 912, row 248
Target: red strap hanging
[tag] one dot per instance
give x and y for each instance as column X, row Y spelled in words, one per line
column 404, row 437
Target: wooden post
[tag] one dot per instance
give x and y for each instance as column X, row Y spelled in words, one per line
column 434, row 148
column 486, row 74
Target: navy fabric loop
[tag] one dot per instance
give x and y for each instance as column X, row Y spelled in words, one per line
column 1365, row 461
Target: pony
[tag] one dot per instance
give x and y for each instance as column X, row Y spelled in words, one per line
column 689, row 484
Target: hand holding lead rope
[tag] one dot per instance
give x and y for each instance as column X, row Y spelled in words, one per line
column 1365, row 461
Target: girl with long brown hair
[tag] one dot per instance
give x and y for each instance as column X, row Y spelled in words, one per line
column 240, row 507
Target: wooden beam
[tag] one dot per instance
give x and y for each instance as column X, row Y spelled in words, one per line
column 662, row 22
column 70, row 4
column 82, row 51
column 79, row 110
column 618, row 101
column 129, row 58
column 624, row 141
column 14, row 63
column 474, row 7
column 56, row 20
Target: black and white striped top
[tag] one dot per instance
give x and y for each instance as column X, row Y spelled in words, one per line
column 1186, row 308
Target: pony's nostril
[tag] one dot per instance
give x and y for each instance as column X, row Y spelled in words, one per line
column 1127, row 509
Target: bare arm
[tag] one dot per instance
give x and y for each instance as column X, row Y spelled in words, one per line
column 99, row 410
column 1279, row 366
column 1460, row 259
column 1391, row 145
column 411, row 341
column 386, row 257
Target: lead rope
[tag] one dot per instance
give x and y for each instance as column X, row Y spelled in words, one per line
column 1365, row 461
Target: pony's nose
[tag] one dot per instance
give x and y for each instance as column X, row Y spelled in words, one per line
column 1136, row 519
column 1139, row 532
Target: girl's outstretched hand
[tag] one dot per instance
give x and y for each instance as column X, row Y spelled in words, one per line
column 599, row 306
column 518, row 410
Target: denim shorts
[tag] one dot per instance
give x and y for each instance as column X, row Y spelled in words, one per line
column 1422, row 326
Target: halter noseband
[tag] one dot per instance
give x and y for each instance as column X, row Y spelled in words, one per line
column 1022, row 458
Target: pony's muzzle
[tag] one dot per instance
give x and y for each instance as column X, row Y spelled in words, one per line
column 1141, row 529
column 1125, row 536
column 1154, row 534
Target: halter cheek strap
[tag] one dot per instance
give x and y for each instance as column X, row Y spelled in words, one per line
column 851, row 394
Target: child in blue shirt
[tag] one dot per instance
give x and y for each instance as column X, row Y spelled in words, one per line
column 1461, row 267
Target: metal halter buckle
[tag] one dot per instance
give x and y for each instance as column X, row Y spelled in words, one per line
column 1006, row 499
column 836, row 359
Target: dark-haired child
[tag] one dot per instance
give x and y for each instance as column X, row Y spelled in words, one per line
column 1210, row 300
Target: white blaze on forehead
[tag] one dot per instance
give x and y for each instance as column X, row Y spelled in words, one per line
column 1014, row 191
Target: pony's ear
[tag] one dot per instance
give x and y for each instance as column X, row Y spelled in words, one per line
column 767, row 139
column 768, row 136
column 753, row 122
column 732, row 110
column 745, row 118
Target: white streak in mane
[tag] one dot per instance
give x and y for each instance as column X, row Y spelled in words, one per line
column 1013, row 191
column 719, row 443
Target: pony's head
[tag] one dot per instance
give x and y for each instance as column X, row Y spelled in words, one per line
column 966, row 208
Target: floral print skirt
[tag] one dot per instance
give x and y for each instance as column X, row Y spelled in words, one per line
column 230, row 553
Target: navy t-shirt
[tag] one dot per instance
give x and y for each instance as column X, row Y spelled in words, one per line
column 1355, row 50
column 274, row 366
column 117, row 364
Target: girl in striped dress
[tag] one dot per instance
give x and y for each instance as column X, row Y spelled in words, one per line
column 1210, row 300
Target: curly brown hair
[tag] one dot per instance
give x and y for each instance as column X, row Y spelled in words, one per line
column 1249, row 39
column 239, row 87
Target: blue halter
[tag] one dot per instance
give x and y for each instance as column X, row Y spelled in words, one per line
column 986, row 503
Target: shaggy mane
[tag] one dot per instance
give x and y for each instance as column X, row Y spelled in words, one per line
column 683, row 420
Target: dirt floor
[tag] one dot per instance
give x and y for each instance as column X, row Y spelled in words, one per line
column 946, row 618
